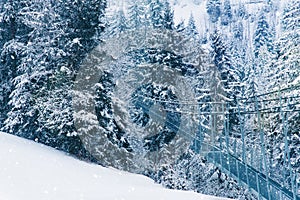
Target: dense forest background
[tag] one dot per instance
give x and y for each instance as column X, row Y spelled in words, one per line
column 43, row 43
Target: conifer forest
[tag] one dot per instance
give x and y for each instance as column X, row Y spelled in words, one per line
column 200, row 95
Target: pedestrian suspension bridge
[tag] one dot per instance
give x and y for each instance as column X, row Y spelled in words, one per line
column 266, row 162
column 256, row 141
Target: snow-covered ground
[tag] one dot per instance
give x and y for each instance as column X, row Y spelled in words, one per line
column 31, row 171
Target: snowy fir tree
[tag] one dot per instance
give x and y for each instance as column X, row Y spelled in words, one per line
column 118, row 24
column 288, row 49
column 137, row 16
column 213, row 8
column 168, row 16
column 156, row 13
column 251, row 60
column 262, row 36
column 19, row 103
column 223, row 62
column 238, row 31
column 180, row 27
column 286, row 72
column 59, row 36
column 191, row 29
column 241, row 11
column 229, row 84
column 226, row 16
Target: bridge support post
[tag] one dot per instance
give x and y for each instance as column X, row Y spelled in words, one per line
column 226, row 120
column 242, row 133
column 212, row 131
column 258, row 188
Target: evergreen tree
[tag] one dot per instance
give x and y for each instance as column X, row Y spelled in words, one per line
column 118, row 24
column 262, row 35
column 137, row 16
column 14, row 36
column 288, row 45
column 221, row 57
column 180, row 27
column 290, row 19
column 263, row 52
column 238, row 31
column 228, row 88
column 168, row 16
column 74, row 42
column 191, row 29
column 286, row 72
column 241, row 11
column 213, row 8
column 226, row 16
column 157, row 13
column 40, row 99
column 269, row 6
column 238, row 53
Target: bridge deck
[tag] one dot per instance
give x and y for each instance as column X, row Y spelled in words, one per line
column 257, row 181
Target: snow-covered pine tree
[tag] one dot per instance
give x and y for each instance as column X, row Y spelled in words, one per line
column 69, row 43
column 222, row 61
column 242, row 11
column 168, row 16
column 157, row 13
column 226, row 16
column 6, row 72
column 180, row 27
column 263, row 53
column 16, row 83
column 286, row 72
column 238, row 54
column 288, row 44
column 213, row 8
column 191, row 29
column 262, row 35
column 60, row 36
column 9, row 50
column 229, row 77
column 117, row 24
column 137, row 15
column 238, row 31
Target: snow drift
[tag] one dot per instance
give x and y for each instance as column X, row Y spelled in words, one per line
column 31, row 171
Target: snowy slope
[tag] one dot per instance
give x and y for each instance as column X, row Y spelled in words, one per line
column 31, row 171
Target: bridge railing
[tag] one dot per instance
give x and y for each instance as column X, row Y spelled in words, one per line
column 256, row 140
column 262, row 135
